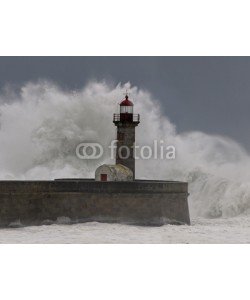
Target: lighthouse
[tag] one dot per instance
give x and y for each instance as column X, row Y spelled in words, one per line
column 124, row 169
column 126, row 121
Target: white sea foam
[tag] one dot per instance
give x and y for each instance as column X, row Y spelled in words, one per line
column 41, row 127
column 220, row 230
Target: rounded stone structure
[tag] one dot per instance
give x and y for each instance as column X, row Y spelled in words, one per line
column 113, row 173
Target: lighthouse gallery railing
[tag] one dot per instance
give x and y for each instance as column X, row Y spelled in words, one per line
column 126, row 117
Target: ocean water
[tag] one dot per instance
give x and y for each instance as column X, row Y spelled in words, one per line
column 205, row 231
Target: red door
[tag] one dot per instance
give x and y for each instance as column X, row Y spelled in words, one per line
column 104, row 177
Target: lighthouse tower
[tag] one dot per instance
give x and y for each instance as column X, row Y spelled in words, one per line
column 126, row 121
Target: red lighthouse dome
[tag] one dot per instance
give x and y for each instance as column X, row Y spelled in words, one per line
column 126, row 102
column 126, row 106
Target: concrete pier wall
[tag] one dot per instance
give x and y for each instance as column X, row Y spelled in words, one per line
column 138, row 202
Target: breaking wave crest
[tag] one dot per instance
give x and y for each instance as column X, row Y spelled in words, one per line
column 42, row 125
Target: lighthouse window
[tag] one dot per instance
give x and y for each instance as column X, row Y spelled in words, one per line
column 126, row 109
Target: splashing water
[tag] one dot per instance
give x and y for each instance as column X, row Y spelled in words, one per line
column 41, row 127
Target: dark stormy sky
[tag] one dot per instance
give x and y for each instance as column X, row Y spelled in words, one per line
column 210, row 94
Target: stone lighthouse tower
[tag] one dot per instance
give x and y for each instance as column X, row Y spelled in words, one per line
column 126, row 121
